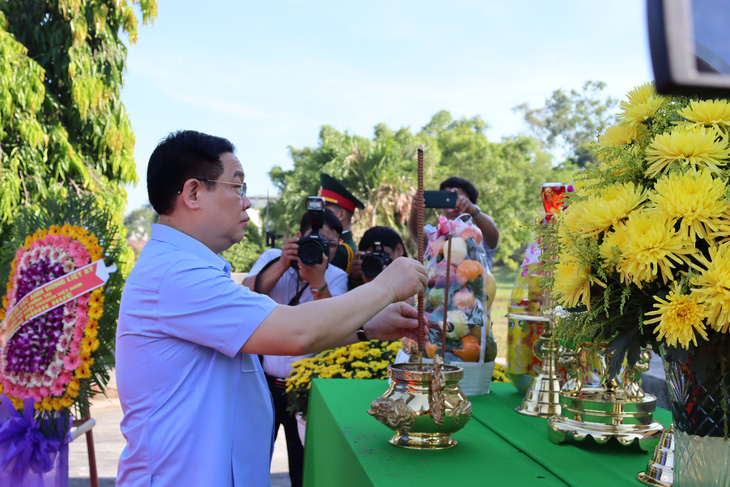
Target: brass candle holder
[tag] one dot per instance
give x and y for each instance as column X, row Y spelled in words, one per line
column 593, row 405
column 660, row 469
column 542, row 397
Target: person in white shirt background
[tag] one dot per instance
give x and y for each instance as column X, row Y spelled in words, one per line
column 281, row 274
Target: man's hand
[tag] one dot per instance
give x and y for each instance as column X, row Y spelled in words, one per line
column 395, row 321
column 314, row 274
column 289, row 252
column 356, row 268
column 404, row 277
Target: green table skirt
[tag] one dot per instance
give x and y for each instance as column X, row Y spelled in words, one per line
column 347, row 447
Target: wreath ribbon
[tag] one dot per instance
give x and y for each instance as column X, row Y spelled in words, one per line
column 53, row 294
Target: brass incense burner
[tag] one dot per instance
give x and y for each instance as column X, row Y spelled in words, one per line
column 593, row 405
column 423, row 405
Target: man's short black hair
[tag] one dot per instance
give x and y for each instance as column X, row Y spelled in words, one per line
column 180, row 156
column 464, row 184
column 330, row 219
column 387, row 236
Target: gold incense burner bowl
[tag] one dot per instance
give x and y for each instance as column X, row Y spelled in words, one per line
column 424, row 405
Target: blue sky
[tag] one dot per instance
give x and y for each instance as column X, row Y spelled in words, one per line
column 268, row 75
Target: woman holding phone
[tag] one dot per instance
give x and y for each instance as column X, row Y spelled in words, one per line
column 465, row 202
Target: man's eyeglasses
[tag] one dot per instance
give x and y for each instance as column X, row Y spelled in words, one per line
column 241, row 186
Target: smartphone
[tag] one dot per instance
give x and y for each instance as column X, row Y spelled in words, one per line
column 440, row 199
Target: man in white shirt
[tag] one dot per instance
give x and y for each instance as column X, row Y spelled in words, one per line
column 295, row 283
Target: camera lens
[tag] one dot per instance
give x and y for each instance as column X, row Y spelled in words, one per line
column 310, row 252
column 372, row 265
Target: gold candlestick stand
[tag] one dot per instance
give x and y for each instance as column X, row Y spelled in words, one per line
column 660, row 470
column 542, row 397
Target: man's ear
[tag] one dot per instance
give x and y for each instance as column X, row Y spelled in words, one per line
column 191, row 193
column 339, row 212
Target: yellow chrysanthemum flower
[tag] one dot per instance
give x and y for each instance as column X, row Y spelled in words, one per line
column 649, row 244
column 679, row 317
column 639, row 112
column 698, row 147
column 610, row 249
column 712, row 286
column 708, row 113
column 694, row 198
column 569, row 221
column 639, row 95
column 613, row 205
column 573, row 282
column 615, row 135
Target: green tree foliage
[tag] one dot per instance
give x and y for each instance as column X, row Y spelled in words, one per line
column 139, row 223
column 571, row 121
column 63, row 127
column 382, row 172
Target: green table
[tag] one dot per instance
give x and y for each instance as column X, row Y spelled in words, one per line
column 347, row 447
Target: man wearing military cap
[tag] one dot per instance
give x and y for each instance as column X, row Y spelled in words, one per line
column 343, row 204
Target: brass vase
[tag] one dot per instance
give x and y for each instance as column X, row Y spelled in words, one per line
column 593, row 405
column 423, row 405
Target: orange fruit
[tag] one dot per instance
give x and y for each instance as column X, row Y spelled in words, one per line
column 469, row 270
column 431, row 349
column 469, row 351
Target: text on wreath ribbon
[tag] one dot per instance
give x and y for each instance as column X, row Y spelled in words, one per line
column 53, row 294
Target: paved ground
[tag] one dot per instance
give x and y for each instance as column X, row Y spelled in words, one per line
column 109, row 443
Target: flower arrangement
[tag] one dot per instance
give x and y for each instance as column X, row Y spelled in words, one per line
column 499, row 374
column 642, row 247
column 363, row 360
column 55, row 356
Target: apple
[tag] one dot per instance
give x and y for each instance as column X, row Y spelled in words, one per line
column 436, row 297
column 464, row 300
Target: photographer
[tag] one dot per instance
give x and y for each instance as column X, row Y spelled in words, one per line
column 343, row 203
column 378, row 247
column 466, row 203
column 288, row 280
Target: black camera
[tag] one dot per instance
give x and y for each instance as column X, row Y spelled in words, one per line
column 374, row 262
column 314, row 245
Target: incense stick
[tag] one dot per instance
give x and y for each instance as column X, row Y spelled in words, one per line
column 419, row 237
